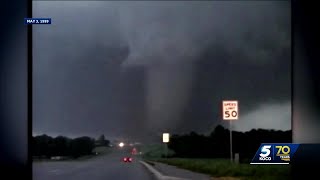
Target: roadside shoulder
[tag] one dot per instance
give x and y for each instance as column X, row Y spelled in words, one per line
column 168, row 172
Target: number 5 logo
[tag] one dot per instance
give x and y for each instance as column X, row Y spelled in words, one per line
column 265, row 151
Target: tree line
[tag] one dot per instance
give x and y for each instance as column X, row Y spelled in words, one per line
column 217, row 143
column 46, row 147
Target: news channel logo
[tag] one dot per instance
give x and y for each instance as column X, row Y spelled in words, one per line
column 274, row 153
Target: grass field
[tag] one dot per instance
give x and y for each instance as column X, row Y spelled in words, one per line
column 224, row 168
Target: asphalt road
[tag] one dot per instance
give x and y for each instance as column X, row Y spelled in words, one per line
column 106, row 167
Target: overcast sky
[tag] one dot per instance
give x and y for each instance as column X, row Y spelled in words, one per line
column 137, row 69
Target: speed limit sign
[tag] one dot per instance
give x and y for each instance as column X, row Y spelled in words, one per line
column 230, row 110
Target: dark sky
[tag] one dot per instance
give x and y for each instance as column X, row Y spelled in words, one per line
column 137, row 69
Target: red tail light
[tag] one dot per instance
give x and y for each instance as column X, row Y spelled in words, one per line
column 130, row 159
column 125, row 159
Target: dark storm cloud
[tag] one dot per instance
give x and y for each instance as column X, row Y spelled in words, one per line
column 78, row 89
column 171, row 32
column 119, row 67
column 221, row 49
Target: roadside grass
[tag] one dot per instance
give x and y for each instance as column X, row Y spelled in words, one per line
column 224, row 168
column 153, row 151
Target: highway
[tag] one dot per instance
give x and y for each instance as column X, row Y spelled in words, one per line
column 103, row 167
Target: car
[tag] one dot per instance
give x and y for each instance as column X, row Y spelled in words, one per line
column 127, row 159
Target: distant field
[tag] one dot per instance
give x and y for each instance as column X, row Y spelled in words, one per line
column 100, row 150
column 223, row 168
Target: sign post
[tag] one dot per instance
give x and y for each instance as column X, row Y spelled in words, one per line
column 230, row 113
column 165, row 140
